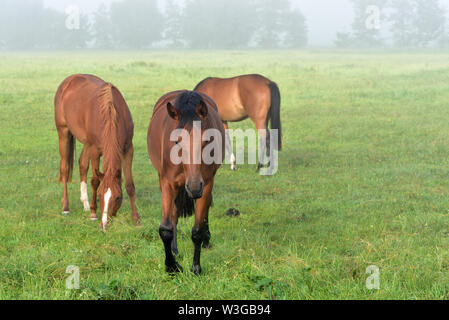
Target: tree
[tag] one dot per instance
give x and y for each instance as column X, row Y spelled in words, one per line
column 218, row 23
column 76, row 38
column 173, row 24
column 430, row 21
column 21, row 22
column 296, row 29
column 271, row 22
column 417, row 23
column 401, row 18
column 365, row 33
column 343, row 40
column 26, row 24
column 102, row 30
column 136, row 23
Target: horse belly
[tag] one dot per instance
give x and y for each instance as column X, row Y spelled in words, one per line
column 77, row 129
column 232, row 112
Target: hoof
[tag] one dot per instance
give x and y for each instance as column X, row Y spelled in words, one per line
column 65, row 213
column 234, row 168
column 196, row 270
column 176, row 268
column 93, row 216
column 86, row 206
column 207, row 245
column 137, row 223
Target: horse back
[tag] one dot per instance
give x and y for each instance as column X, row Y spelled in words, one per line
column 235, row 97
column 77, row 106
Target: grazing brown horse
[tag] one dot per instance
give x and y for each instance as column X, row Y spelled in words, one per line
column 185, row 180
column 252, row 96
column 95, row 113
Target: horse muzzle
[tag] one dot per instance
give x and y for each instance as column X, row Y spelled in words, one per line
column 195, row 190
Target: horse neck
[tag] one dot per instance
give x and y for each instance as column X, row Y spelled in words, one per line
column 112, row 153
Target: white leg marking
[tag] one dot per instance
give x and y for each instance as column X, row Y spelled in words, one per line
column 104, row 218
column 84, row 196
column 233, row 166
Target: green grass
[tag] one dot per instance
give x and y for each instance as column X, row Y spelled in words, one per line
column 363, row 180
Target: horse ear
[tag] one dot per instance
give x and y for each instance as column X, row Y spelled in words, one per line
column 202, row 110
column 99, row 174
column 173, row 112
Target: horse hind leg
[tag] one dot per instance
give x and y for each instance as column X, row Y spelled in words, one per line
column 229, row 148
column 84, row 168
column 262, row 147
column 268, row 144
column 129, row 184
column 66, row 151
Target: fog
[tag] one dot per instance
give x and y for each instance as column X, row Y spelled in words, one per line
column 238, row 24
column 324, row 17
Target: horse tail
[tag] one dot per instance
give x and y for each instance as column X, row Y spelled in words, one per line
column 275, row 111
column 184, row 204
column 70, row 158
column 111, row 147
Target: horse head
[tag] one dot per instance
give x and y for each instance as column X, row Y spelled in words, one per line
column 190, row 112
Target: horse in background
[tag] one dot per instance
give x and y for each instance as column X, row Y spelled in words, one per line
column 95, row 113
column 252, row 96
column 186, row 185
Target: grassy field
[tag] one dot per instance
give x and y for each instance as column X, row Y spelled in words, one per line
column 363, row 180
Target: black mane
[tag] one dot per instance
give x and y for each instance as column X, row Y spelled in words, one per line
column 187, row 104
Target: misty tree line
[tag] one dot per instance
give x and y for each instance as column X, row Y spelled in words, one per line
column 409, row 24
column 140, row 24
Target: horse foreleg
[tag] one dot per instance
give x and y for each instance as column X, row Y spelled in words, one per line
column 95, row 183
column 207, row 235
column 199, row 231
column 174, row 220
column 84, row 168
column 130, row 189
column 166, row 229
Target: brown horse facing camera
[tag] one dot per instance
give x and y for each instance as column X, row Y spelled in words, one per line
column 95, row 113
column 252, row 96
column 184, row 181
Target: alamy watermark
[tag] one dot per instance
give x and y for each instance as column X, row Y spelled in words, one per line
column 206, row 147
column 72, row 21
column 72, row 282
column 372, row 21
column 373, row 281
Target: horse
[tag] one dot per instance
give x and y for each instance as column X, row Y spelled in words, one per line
column 186, row 185
column 252, row 96
column 95, row 113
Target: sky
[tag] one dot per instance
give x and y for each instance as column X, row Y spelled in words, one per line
column 324, row 17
